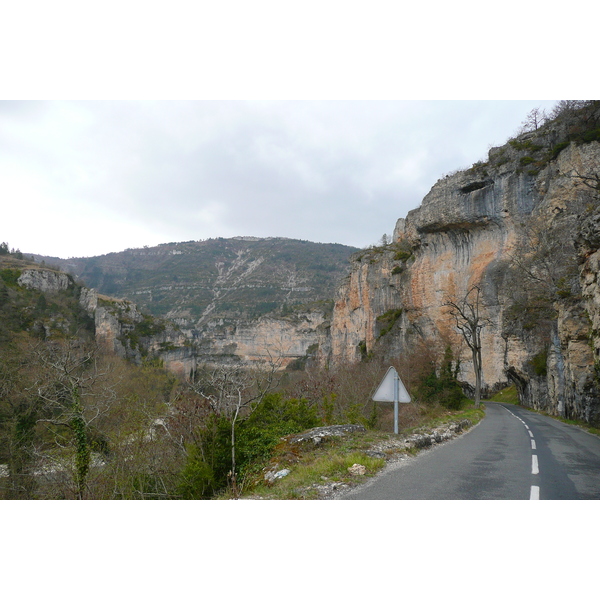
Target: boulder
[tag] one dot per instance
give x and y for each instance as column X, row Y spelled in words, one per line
column 357, row 469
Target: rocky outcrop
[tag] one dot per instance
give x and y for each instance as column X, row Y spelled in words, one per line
column 524, row 228
column 266, row 339
column 123, row 330
column 317, row 435
column 45, row 280
column 119, row 326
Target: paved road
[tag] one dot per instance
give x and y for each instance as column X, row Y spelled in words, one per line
column 513, row 454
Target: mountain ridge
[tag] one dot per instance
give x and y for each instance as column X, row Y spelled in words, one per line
column 222, row 292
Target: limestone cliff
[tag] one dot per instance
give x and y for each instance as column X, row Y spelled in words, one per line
column 119, row 326
column 524, row 227
column 45, row 280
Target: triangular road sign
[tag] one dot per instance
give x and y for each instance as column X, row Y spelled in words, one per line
column 385, row 391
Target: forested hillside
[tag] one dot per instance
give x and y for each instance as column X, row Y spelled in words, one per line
column 231, row 278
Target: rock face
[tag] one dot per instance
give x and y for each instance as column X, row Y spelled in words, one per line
column 285, row 338
column 525, row 228
column 45, row 280
column 120, row 327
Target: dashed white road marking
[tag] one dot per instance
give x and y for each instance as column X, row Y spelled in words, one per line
column 535, row 469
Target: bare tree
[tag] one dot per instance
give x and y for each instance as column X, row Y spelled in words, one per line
column 567, row 106
column 534, row 120
column 234, row 392
column 17, row 423
column 469, row 322
column 71, row 399
column 546, row 259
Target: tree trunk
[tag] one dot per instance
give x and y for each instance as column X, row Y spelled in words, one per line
column 233, row 475
column 233, row 465
column 478, row 377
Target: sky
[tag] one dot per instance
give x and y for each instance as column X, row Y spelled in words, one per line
column 83, row 178
column 326, row 121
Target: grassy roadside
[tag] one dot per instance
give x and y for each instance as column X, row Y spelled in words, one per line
column 315, row 472
column 508, row 395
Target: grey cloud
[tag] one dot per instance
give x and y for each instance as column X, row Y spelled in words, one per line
column 322, row 171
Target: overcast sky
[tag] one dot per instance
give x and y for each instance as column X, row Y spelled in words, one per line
column 84, row 178
column 266, row 119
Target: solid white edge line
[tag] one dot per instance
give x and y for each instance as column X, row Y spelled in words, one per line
column 534, row 465
column 535, row 493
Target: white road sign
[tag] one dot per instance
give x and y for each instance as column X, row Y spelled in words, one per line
column 386, row 392
column 391, row 389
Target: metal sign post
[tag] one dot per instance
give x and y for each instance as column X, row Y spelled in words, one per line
column 391, row 389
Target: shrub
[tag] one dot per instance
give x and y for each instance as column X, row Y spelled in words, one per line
column 387, row 319
column 362, row 348
column 10, row 276
column 539, row 363
column 196, row 480
column 209, row 461
column 441, row 385
column 274, row 418
column 526, row 160
column 591, row 136
column 402, row 255
column 556, row 150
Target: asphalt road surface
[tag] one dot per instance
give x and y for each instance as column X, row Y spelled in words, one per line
column 512, row 454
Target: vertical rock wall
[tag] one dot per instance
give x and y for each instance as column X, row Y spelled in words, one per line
column 471, row 229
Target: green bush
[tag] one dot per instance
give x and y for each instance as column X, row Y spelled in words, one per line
column 387, row 320
column 402, row 255
column 274, row 418
column 539, row 363
column 526, row 160
column 591, row 136
column 362, row 348
column 148, row 327
column 526, row 145
column 209, row 463
column 196, row 481
column 10, row 276
column 441, row 385
column 556, row 150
